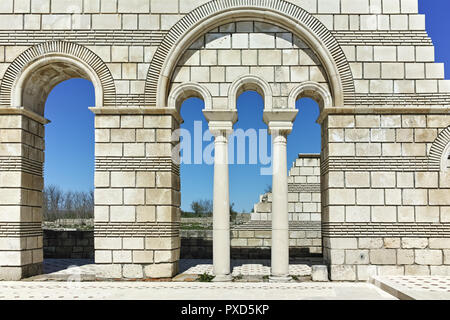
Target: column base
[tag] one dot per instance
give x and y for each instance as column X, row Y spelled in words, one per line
column 280, row 279
column 223, row 278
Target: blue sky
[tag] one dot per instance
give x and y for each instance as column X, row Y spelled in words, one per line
column 70, row 136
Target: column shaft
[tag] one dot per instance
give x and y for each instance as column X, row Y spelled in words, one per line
column 280, row 217
column 221, row 215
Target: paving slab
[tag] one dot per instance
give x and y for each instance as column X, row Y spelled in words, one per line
column 190, row 269
column 414, row 287
column 194, row 291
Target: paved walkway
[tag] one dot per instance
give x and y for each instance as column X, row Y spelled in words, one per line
column 414, row 288
column 191, row 291
column 60, row 268
column 68, row 279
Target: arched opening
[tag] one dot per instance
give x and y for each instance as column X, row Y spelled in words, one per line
column 246, row 64
column 304, row 181
column 35, row 83
column 62, row 88
column 196, row 176
column 68, row 175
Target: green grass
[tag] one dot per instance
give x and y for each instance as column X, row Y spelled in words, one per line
column 194, row 226
column 205, row 278
column 238, row 277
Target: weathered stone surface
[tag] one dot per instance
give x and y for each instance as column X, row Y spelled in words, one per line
column 319, row 273
column 382, row 158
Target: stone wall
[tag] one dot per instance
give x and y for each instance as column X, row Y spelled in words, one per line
column 195, row 244
column 369, row 64
column 137, row 196
column 304, row 192
column 68, row 244
column 387, row 208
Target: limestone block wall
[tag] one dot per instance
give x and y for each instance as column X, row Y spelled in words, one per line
column 67, row 244
column 21, row 183
column 137, row 196
column 223, row 54
column 387, row 116
column 304, row 192
column 387, row 204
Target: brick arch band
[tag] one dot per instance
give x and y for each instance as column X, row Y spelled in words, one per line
column 438, row 150
column 217, row 12
column 62, row 48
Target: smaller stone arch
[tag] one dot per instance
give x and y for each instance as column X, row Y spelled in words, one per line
column 254, row 83
column 313, row 90
column 55, row 61
column 440, row 151
column 189, row 90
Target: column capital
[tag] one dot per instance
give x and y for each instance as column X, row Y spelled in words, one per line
column 220, row 121
column 280, row 122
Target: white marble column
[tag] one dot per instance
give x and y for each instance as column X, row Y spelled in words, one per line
column 221, row 126
column 280, row 126
column 221, row 209
column 280, row 216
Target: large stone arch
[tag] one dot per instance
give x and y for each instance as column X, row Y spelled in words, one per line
column 68, row 60
column 219, row 12
column 440, row 150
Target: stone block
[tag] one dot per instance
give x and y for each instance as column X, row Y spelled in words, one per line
column 356, row 257
column 132, row 271
column 365, row 272
column 383, row 256
column 109, row 271
column 343, row 273
column 319, row 273
column 414, row 243
column 405, row 257
column 392, row 243
column 144, row 257
column 429, row 257
column 384, row 214
column 391, row 270
column 415, row 270
column 10, row 273
column 370, row 243
column 103, row 256
column 440, row 197
column 343, row 243
column 442, row 271
column 439, row 243
column 427, row 214
column 133, row 243
column 162, row 270
column 107, row 243
column 123, row 256
column 166, row 256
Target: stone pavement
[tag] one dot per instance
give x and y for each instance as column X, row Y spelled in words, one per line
column 192, row 291
column 68, row 279
column 414, row 288
column 60, row 269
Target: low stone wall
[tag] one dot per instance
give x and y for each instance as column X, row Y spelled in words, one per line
column 250, row 240
column 68, row 244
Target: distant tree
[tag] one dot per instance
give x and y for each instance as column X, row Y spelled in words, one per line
column 202, row 207
column 233, row 213
column 70, row 205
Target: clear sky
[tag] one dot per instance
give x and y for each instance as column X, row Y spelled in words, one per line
column 70, row 135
